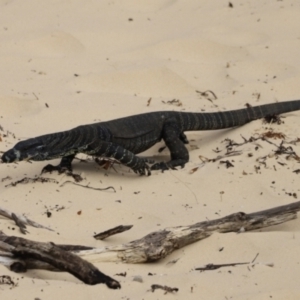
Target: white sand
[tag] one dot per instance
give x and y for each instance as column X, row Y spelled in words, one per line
column 169, row 50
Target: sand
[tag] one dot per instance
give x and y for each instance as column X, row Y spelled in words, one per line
column 67, row 63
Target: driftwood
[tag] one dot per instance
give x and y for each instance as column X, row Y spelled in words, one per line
column 103, row 235
column 159, row 244
column 24, row 249
column 20, row 254
column 21, row 221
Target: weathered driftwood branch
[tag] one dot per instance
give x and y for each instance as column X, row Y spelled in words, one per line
column 24, row 249
column 21, row 221
column 159, row 244
column 20, row 254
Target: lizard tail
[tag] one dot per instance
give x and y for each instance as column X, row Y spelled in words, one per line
column 233, row 118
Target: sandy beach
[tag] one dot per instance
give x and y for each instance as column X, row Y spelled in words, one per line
column 68, row 63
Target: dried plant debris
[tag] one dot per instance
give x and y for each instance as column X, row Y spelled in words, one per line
column 149, row 101
column 88, row 187
column 284, row 148
column 7, row 134
column 124, row 274
column 210, row 267
column 165, row 288
column 227, row 163
column 209, row 95
column 175, row 102
column 5, row 279
column 274, row 119
column 273, row 135
column 256, row 95
column 6, row 178
column 107, row 163
column 32, row 180
column 55, row 208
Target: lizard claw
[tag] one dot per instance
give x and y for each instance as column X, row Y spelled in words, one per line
column 142, row 167
column 160, row 166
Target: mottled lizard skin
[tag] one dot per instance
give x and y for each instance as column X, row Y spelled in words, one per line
column 123, row 138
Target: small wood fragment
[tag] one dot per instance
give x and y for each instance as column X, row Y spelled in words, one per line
column 19, row 223
column 103, row 235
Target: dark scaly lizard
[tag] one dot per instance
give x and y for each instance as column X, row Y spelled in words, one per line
column 123, row 138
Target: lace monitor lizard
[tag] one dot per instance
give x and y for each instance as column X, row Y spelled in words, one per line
column 123, row 138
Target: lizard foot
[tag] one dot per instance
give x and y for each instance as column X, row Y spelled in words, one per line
column 60, row 168
column 142, row 167
column 161, row 166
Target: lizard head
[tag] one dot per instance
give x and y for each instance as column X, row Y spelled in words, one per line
column 31, row 149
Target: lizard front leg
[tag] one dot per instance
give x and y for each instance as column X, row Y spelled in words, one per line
column 64, row 165
column 175, row 140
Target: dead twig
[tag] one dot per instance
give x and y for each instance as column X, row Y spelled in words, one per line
column 103, row 235
column 21, row 219
column 32, row 180
column 88, row 187
column 165, row 288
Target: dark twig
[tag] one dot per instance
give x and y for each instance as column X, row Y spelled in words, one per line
column 103, row 235
column 165, row 288
column 210, row 267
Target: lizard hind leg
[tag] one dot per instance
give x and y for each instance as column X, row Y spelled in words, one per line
column 175, row 140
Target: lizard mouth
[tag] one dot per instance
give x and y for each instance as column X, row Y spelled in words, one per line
column 14, row 155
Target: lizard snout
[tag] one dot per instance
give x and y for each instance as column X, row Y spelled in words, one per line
column 10, row 156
